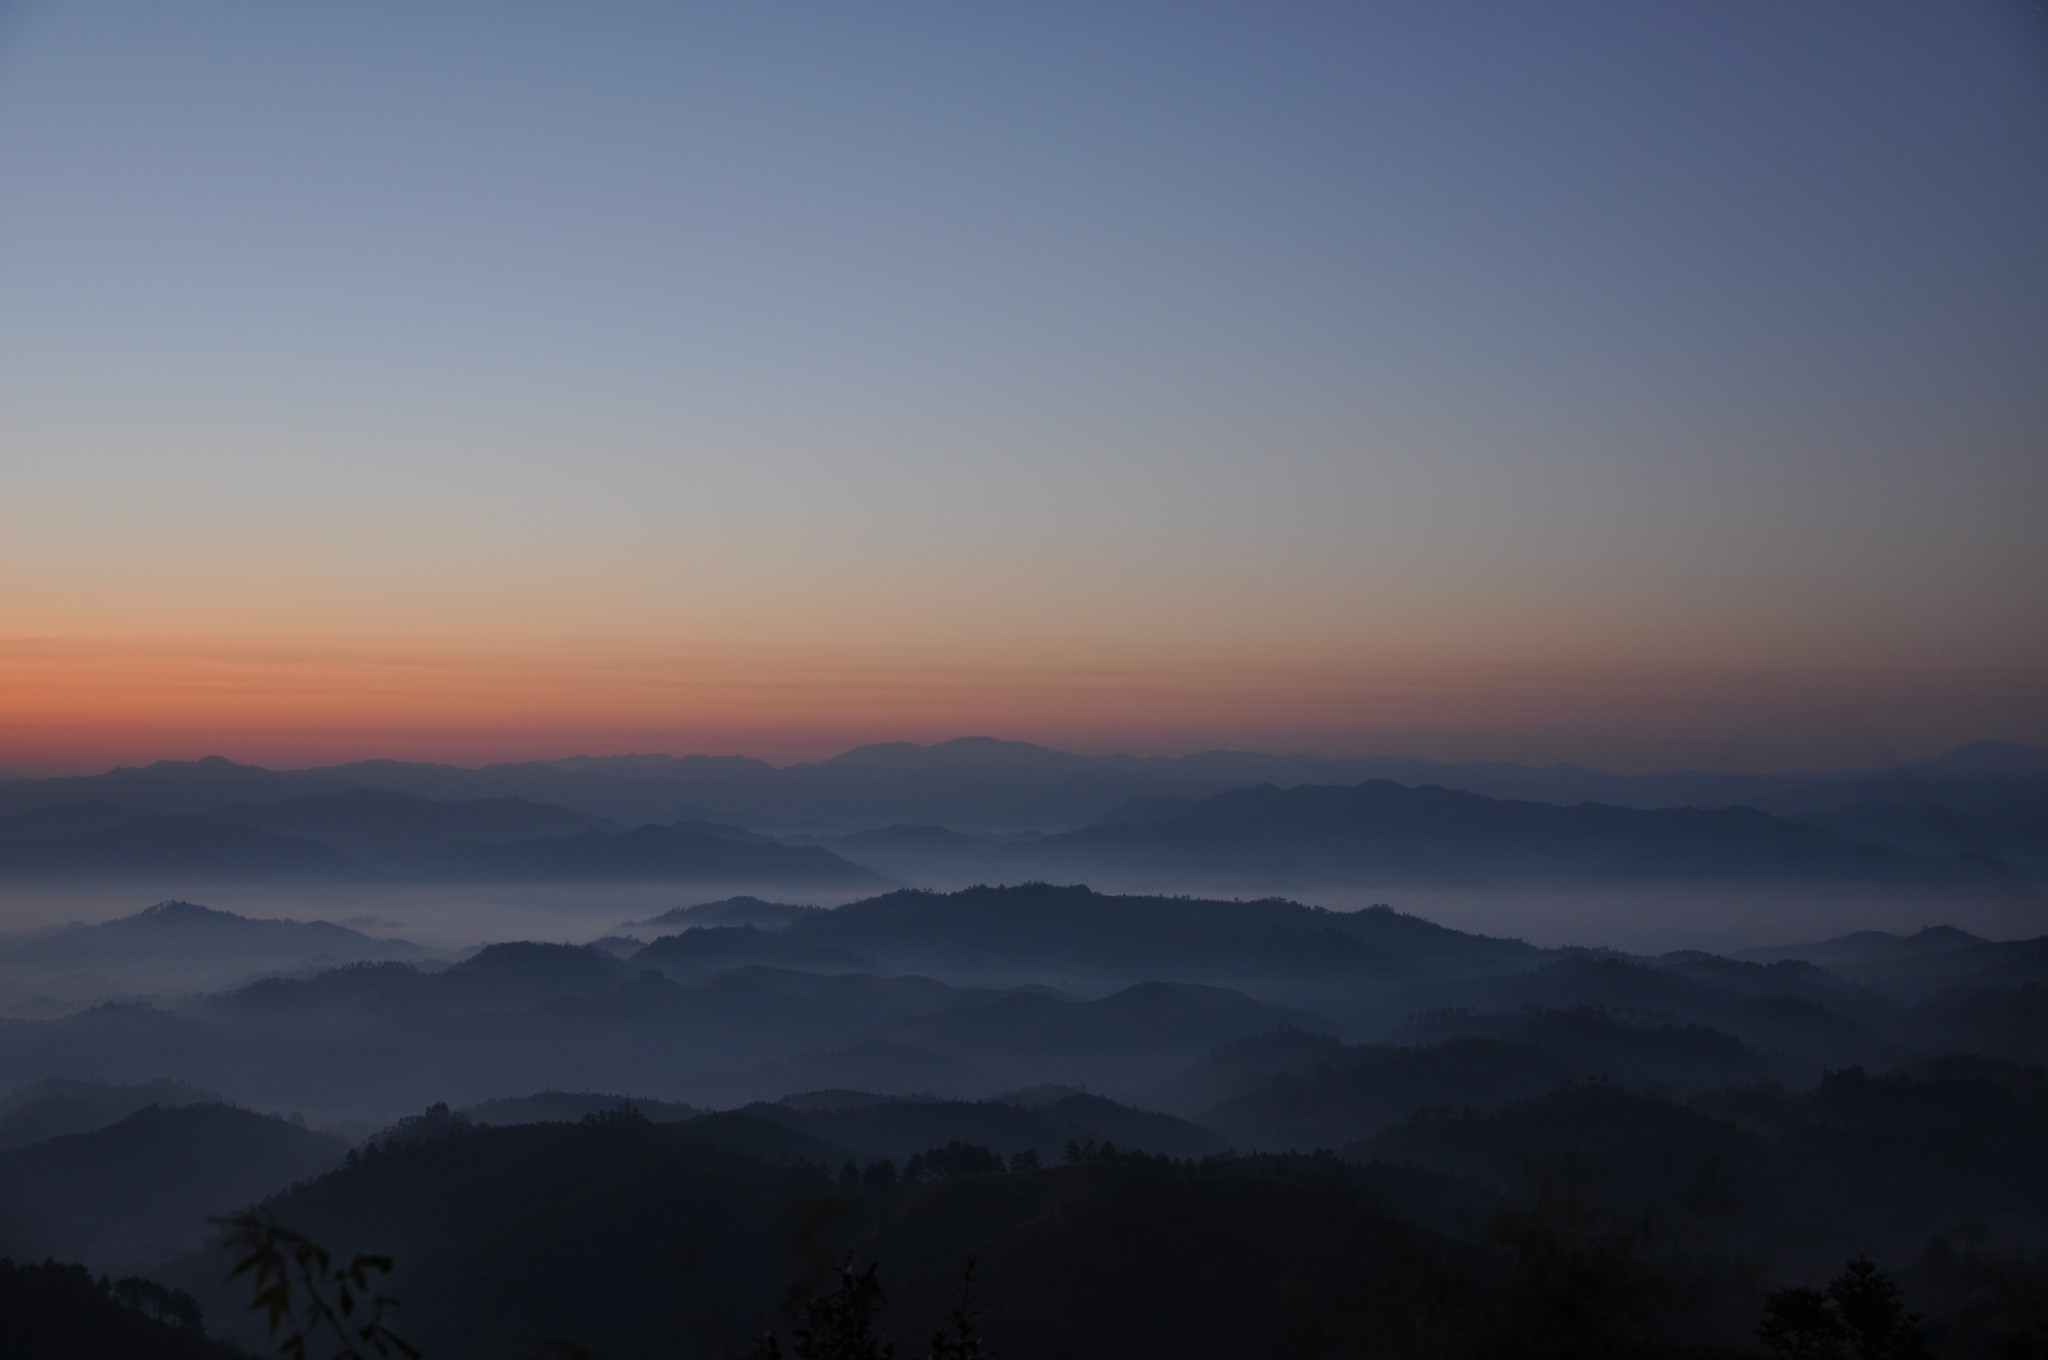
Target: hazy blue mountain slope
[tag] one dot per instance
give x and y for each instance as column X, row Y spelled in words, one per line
column 56, row 1106
column 182, row 946
column 133, row 1194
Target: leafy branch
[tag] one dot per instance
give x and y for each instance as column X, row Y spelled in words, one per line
column 306, row 1300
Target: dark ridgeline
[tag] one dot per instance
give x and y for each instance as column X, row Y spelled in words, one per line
column 55, row 1308
column 175, row 947
column 727, row 911
column 976, row 810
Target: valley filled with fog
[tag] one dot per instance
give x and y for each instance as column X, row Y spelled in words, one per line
column 1414, row 1006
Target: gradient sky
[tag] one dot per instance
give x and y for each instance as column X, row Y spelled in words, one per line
column 1642, row 384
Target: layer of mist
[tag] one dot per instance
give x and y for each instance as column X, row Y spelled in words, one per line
column 1718, row 1050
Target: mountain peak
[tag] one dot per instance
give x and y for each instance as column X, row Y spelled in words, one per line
column 882, row 752
column 204, row 764
column 174, row 911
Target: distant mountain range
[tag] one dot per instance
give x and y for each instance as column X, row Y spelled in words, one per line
column 978, row 810
column 982, row 784
column 1379, row 831
column 361, row 835
column 735, row 1009
column 178, row 946
column 727, row 911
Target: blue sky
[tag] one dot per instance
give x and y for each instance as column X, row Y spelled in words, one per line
column 1678, row 351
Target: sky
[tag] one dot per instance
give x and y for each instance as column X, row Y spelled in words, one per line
column 1643, row 385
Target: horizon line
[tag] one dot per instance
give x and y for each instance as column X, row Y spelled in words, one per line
column 12, row 775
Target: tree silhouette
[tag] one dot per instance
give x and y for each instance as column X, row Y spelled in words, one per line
column 1878, row 1324
column 841, row 1325
column 1860, row 1315
column 305, row 1299
column 957, row 1340
column 1801, row 1324
column 836, row 1326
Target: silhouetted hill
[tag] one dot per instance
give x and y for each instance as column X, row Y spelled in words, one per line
column 133, row 1194
column 632, row 789
column 1989, row 780
column 566, row 1107
column 360, row 834
column 2014, row 831
column 726, row 831
column 181, row 946
column 979, row 784
column 168, row 786
column 370, row 1038
column 623, row 1236
column 1049, row 931
column 56, row 1106
column 60, row 1311
column 1858, row 1158
column 611, row 1234
column 169, row 927
column 750, row 1015
column 1865, row 950
column 1480, row 1062
column 728, row 911
column 1918, row 966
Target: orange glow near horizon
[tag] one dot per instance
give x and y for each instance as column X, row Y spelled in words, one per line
column 1273, row 404
column 73, row 706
